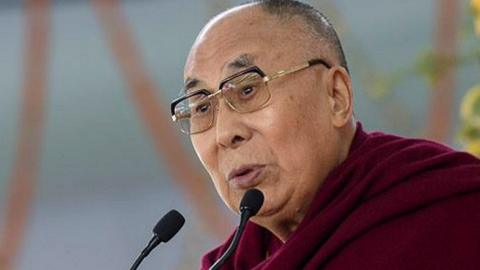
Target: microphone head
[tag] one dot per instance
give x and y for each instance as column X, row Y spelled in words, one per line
column 169, row 225
column 252, row 201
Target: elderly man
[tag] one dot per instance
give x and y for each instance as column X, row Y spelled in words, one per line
column 268, row 105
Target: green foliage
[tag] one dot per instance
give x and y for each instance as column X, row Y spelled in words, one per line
column 432, row 66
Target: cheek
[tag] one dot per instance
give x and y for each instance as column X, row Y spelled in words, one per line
column 207, row 153
column 295, row 129
column 202, row 151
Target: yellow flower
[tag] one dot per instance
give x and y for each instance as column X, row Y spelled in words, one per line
column 470, row 114
column 470, row 107
column 474, row 148
column 476, row 9
column 476, row 6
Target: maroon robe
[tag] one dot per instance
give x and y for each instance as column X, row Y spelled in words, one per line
column 394, row 203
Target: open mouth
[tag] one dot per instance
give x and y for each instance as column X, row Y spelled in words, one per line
column 244, row 172
column 246, row 176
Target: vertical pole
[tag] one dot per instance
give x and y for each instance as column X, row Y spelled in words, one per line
column 441, row 108
column 156, row 118
column 22, row 184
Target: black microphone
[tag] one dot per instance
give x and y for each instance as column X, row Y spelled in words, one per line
column 251, row 202
column 165, row 229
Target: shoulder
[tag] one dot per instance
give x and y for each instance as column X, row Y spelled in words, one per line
column 419, row 206
column 393, row 144
column 393, row 153
column 443, row 235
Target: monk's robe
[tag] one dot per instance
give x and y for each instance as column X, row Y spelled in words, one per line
column 394, row 203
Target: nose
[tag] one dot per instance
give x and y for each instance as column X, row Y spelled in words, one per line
column 231, row 129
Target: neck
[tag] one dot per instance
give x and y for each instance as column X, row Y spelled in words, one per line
column 283, row 227
column 347, row 135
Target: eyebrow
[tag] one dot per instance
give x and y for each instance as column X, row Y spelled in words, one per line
column 243, row 61
column 190, row 83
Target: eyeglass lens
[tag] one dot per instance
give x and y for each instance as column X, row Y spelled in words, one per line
column 244, row 93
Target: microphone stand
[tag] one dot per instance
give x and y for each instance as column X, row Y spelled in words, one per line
column 244, row 216
column 151, row 245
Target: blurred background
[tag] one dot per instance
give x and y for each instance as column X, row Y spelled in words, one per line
column 89, row 159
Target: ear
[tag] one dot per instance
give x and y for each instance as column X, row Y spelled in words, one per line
column 340, row 96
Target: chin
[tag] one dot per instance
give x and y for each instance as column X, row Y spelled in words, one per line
column 268, row 211
column 266, row 219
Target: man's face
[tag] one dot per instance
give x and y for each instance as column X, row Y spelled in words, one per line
column 285, row 149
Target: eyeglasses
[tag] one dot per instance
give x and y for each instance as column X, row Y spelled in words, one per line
column 244, row 92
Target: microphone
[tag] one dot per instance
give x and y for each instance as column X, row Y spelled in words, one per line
column 251, row 202
column 165, row 229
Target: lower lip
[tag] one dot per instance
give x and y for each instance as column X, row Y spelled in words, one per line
column 248, row 180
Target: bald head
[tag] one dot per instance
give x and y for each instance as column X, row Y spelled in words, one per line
column 310, row 26
column 322, row 29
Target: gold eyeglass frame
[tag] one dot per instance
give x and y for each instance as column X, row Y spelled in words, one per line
column 265, row 78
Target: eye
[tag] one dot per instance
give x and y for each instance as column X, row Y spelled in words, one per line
column 247, row 92
column 202, row 108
